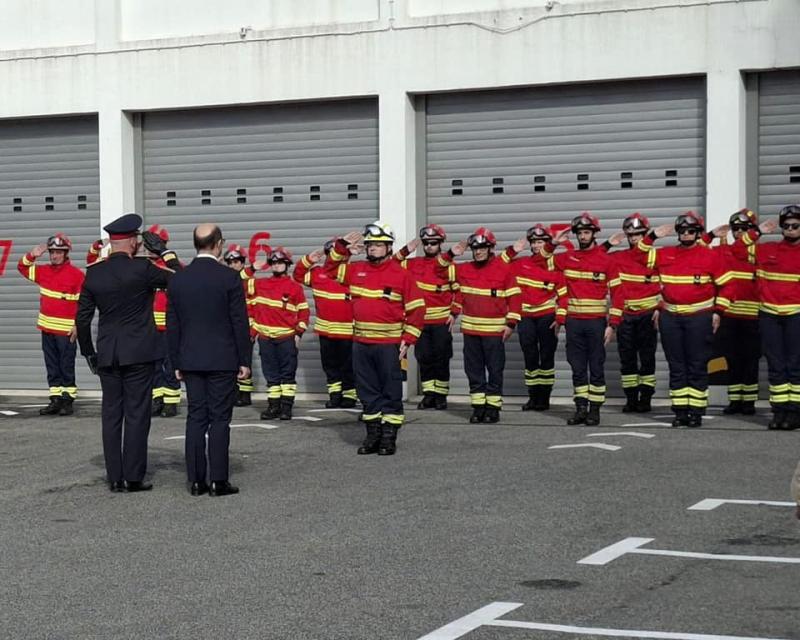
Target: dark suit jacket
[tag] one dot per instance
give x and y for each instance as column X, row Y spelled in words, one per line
column 207, row 324
column 122, row 289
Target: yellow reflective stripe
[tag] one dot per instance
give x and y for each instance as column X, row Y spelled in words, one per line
column 779, row 309
column 327, row 295
column 278, row 304
column 333, row 327
column 26, row 262
column 302, row 306
column 630, row 277
column 585, row 275
column 495, row 293
column 535, row 284
column 734, row 275
column 51, row 322
column 776, row 276
column 433, row 288
column 477, row 399
column 485, row 325
column 443, row 262
column 536, row 308
column 271, row 331
column 363, row 292
column 617, row 313
column 306, row 262
column 642, row 304
column 436, row 313
column 513, row 316
column 414, row 304
column 701, row 279
column 614, row 282
column 59, row 295
column 160, row 317
column 689, row 308
column 393, row 418
column 494, row 401
column 412, row 330
column 336, row 256
column 341, row 272
column 586, row 305
column 377, row 329
column 743, row 308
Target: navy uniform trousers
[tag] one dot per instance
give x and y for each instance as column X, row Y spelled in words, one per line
column 379, row 382
column 279, row 366
column 586, row 355
column 637, row 340
column 740, row 342
column 484, row 361
column 59, row 361
column 687, row 341
column 336, row 356
column 780, row 339
column 433, row 351
column 538, row 342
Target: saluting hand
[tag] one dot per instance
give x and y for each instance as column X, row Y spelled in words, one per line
column 768, row 226
column 520, row 244
column 315, row 256
column 561, row 236
column 354, row 237
column 459, row 248
column 721, row 231
column 413, row 245
column 664, row 230
column 244, row 373
column 38, row 250
column 616, row 238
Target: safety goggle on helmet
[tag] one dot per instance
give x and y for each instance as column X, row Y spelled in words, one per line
column 59, row 242
column 432, row 232
column 538, row 232
column 585, row 221
column 636, row 223
column 378, row 232
column 481, row 238
column 233, row 252
column 742, row 220
column 689, row 221
column 790, row 212
column 279, row 254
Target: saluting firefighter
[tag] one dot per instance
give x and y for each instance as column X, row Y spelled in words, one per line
column 737, row 300
column 333, row 325
column 542, row 297
column 778, row 281
column 688, row 319
column 434, row 349
column 388, row 315
column 484, row 286
column 280, row 318
column 235, row 258
column 635, row 296
column 60, row 285
column 586, row 273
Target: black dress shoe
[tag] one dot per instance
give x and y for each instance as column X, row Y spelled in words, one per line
column 222, row 488
column 198, row 488
column 116, row 486
column 132, row 486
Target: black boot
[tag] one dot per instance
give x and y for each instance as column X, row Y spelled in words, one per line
column 778, row 418
column 581, row 411
column 734, row 406
column 792, row 421
column 53, row 408
column 243, row 399
column 334, row 400
column 66, row 405
column 348, row 403
column 478, row 413
column 156, row 407
column 439, row 401
column 388, row 442
column 543, row 398
column 681, row 418
column 492, row 415
column 645, row 394
column 533, row 399
column 286, row 408
column 593, row 416
column 632, row 400
column 273, row 409
column 170, row 410
column 695, row 420
column 748, row 407
column 370, row 444
column 427, row 402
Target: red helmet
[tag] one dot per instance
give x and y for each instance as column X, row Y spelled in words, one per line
column 690, row 220
column 280, row 254
column 160, row 231
column 585, row 221
column 482, row 237
column 636, row 223
column 744, row 218
column 432, row 232
column 59, row 242
column 234, row 252
column 538, row 232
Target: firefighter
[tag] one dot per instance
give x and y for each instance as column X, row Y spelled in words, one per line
column 333, row 325
column 738, row 335
column 280, row 318
column 687, row 321
column 778, row 281
column 434, row 349
column 635, row 296
column 235, row 257
column 484, row 286
column 586, row 273
column 543, row 296
column 60, row 285
column 388, row 315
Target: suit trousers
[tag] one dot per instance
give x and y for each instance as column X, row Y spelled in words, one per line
column 210, row 396
column 687, row 343
column 379, row 381
column 484, row 361
column 433, row 351
column 586, row 355
column 538, row 342
column 337, row 363
column 59, row 360
column 126, row 419
column 780, row 338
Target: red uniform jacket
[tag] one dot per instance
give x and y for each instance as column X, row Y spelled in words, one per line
column 542, row 289
column 737, row 296
column 586, row 273
column 331, row 300
column 279, row 308
column 388, row 307
column 59, row 290
column 635, row 287
column 437, row 285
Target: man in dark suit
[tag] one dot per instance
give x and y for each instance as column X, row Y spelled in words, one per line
column 121, row 288
column 209, row 343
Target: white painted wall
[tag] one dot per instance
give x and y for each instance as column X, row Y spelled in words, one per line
column 31, row 24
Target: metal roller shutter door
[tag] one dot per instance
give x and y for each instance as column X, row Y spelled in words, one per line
column 509, row 159
column 779, row 141
column 49, row 182
column 304, row 172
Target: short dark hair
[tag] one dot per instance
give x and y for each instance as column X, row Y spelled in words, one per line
column 209, row 241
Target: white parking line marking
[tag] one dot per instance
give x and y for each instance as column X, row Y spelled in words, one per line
column 712, row 503
column 257, row 426
column 175, row 438
column 488, row 617
column 329, row 410
column 10, row 413
column 632, row 545
column 31, row 406
column 648, row 424
column 634, row 434
column 593, row 445
column 309, row 418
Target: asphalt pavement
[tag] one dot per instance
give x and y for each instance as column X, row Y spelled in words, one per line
column 324, row 544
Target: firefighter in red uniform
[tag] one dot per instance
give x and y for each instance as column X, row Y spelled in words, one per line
column 688, row 318
column 333, row 325
column 542, row 297
column 737, row 300
column 60, row 285
column 388, row 315
column 586, row 273
column 434, row 349
column 280, row 318
column 484, row 286
column 635, row 296
column 234, row 257
column 778, row 280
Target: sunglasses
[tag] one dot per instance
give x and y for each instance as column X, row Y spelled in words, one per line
column 794, row 226
column 431, row 243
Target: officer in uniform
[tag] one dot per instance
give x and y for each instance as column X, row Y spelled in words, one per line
column 59, row 287
column 122, row 288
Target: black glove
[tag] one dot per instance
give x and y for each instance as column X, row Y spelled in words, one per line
column 153, row 243
column 91, row 362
